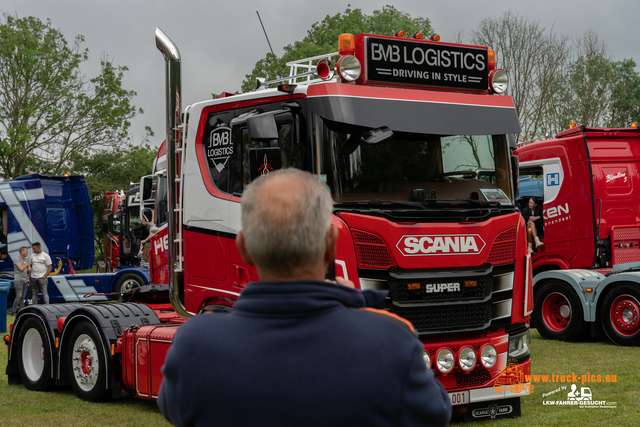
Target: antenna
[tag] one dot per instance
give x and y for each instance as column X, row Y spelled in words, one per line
column 274, row 55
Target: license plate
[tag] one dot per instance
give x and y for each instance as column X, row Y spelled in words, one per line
column 459, row 397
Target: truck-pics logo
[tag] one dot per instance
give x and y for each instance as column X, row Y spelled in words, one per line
column 469, row 244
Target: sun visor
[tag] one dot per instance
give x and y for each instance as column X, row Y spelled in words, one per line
column 439, row 118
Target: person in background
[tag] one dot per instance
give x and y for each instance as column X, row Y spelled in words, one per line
column 535, row 224
column 40, row 268
column 298, row 350
column 21, row 268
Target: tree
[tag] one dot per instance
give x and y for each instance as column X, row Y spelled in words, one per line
column 536, row 61
column 625, row 105
column 322, row 38
column 110, row 170
column 49, row 110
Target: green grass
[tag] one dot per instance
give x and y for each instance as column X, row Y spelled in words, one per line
column 21, row 407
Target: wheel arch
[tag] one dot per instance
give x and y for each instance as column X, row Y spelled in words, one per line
column 579, row 280
column 546, row 263
column 109, row 321
column 143, row 275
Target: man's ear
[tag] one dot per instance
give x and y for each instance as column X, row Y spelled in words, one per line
column 332, row 244
column 243, row 249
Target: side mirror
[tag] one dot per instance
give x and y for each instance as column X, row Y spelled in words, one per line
column 146, row 187
column 147, row 215
column 262, row 127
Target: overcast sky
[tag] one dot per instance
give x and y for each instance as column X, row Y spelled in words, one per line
column 220, row 41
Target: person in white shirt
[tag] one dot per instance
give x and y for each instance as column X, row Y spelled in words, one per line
column 40, row 268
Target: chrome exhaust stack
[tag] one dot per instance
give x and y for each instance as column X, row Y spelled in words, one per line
column 173, row 87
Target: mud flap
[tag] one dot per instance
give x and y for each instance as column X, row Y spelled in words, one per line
column 482, row 411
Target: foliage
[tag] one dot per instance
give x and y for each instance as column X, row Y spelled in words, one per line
column 49, row 110
column 554, row 82
column 625, row 105
column 111, row 170
column 322, row 38
column 536, row 60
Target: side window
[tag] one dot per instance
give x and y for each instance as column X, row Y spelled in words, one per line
column 286, row 152
column 218, row 149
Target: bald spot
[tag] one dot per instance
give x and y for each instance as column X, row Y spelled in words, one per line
column 278, row 199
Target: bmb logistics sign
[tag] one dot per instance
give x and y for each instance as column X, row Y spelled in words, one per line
column 425, row 64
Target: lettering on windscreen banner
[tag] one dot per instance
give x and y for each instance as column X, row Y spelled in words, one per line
column 426, row 64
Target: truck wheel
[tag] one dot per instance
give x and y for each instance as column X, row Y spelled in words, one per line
column 558, row 312
column 619, row 315
column 85, row 363
column 34, row 356
column 127, row 285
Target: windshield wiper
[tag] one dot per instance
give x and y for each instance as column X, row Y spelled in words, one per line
column 389, row 203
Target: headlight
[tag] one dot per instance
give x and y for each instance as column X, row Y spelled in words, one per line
column 349, row 68
column 427, row 360
column 467, row 359
column 520, row 345
column 445, row 361
column 488, row 356
column 499, row 81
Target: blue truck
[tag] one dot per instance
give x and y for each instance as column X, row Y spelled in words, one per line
column 56, row 211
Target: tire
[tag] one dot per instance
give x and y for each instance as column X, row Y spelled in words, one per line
column 34, row 356
column 558, row 312
column 127, row 285
column 86, row 363
column 619, row 315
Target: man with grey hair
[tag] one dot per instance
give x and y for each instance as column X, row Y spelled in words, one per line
column 297, row 350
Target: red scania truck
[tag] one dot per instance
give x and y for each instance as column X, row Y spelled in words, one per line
column 588, row 182
column 412, row 138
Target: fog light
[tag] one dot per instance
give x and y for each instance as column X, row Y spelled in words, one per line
column 445, row 361
column 467, row 359
column 427, row 360
column 488, row 356
column 349, row 68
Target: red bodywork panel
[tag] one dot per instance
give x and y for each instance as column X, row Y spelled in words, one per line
column 582, row 209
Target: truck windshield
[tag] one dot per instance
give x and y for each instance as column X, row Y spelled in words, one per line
column 411, row 168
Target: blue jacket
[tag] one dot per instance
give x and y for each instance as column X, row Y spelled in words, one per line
column 300, row 354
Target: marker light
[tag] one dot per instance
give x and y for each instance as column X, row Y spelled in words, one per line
column 435, row 38
column 488, row 356
column 499, row 81
column 633, row 125
column 324, row 69
column 427, row 359
column 413, row 286
column 467, row 359
column 418, row 36
column 399, row 33
column 445, row 361
column 349, row 68
column 492, row 59
column 346, row 44
column 572, row 125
